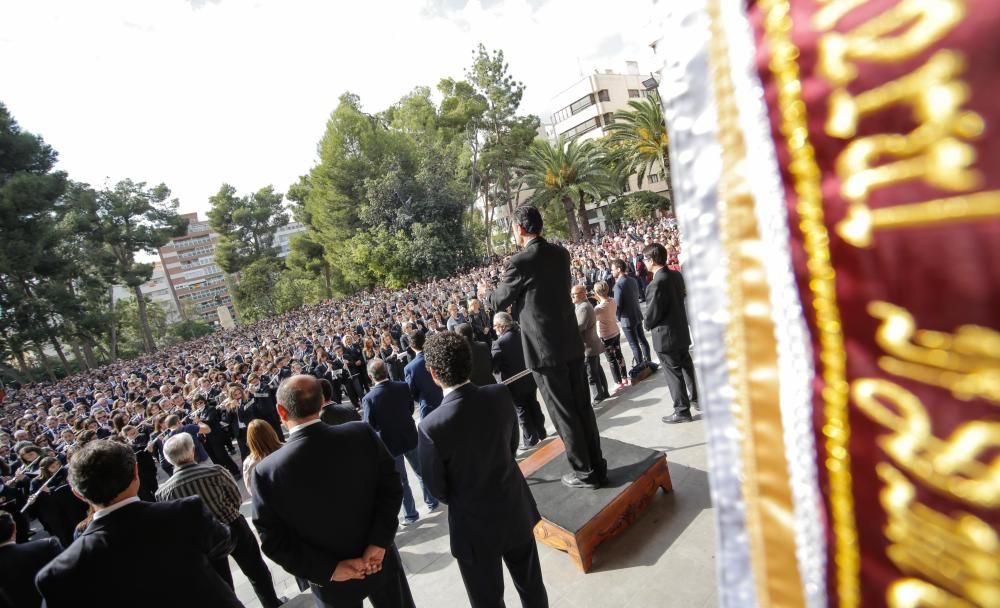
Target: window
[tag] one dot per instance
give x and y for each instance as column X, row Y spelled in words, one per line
column 602, row 95
column 653, row 178
column 633, row 93
column 609, row 119
column 584, row 102
column 587, row 125
column 592, row 215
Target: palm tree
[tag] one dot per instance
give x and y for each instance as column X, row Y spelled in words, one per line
column 638, row 139
column 571, row 173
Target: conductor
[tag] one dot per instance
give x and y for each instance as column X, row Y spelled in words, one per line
column 536, row 282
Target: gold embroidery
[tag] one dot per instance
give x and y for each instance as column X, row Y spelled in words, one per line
column 959, row 553
column 860, row 223
column 806, row 177
column 967, row 363
column 915, row 593
column 951, row 466
column 883, row 39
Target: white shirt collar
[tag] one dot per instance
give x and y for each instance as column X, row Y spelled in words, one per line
column 304, row 425
column 98, row 514
column 445, row 392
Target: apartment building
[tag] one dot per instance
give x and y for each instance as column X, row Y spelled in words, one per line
column 283, row 237
column 196, row 282
column 157, row 289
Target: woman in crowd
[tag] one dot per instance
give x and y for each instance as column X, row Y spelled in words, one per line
column 261, row 441
column 607, row 331
column 55, row 505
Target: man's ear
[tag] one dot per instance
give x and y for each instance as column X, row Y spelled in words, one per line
column 434, row 377
column 282, row 412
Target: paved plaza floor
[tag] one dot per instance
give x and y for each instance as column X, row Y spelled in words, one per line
column 665, row 560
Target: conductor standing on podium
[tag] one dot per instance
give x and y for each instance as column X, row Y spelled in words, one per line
column 537, row 281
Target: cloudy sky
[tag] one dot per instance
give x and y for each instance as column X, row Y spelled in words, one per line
column 197, row 92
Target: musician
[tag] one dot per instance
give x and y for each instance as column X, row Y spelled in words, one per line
column 53, row 503
column 148, row 482
column 218, row 436
column 346, row 378
column 259, row 406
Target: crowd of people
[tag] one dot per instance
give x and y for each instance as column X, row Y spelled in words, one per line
column 215, row 401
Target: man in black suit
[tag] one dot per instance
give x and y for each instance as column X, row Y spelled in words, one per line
column 508, row 361
column 325, row 505
column 536, row 282
column 134, row 539
column 482, row 364
column 20, row 563
column 335, row 413
column 667, row 319
column 388, row 408
column 626, row 294
column 467, row 450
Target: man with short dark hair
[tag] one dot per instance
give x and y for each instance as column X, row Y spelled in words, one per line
column 482, row 366
column 325, row 505
column 222, row 497
column 335, row 413
column 422, row 388
column 667, row 320
column 626, row 296
column 20, row 563
column 467, row 451
column 537, row 283
column 131, row 539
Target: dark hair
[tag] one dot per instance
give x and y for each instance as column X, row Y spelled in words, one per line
column 620, row 265
column 657, row 253
column 528, row 218
column 101, row 470
column 327, row 387
column 464, row 330
column 302, row 398
column 450, row 356
column 417, row 340
column 7, row 526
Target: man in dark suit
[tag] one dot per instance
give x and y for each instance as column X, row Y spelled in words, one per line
column 335, row 413
column 325, row 505
column 422, row 387
column 467, row 453
column 536, row 282
column 586, row 320
column 388, row 408
column 667, row 319
column 508, row 361
column 20, row 563
column 482, row 364
column 626, row 294
column 133, row 539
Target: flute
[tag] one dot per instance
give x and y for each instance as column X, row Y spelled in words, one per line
column 31, row 499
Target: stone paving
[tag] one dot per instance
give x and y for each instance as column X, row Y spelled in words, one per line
column 665, row 560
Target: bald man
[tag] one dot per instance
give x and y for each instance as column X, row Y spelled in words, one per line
column 325, row 505
column 586, row 321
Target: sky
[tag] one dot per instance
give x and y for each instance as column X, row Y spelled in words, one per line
column 194, row 93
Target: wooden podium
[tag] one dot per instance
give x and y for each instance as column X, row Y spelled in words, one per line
column 578, row 520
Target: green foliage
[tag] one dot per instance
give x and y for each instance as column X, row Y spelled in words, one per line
column 246, row 224
column 644, row 204
column 638, row 140
column 130, row 327
column 189, row 329
column 568, row 174
column 254, row 294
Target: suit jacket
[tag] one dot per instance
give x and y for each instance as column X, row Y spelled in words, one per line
column 537, row 283
column 467, row 451
column 338, row 413
column 586, row 320
column 326, row 495
column 422, row 388
column 19, row 564
column 627, row 299
column 388, row 408
column 666, row 317
column 261, row 406
column 482, row 365
column 508, row 360
column 178, row 539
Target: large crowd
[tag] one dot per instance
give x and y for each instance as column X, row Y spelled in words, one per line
column 222, row 382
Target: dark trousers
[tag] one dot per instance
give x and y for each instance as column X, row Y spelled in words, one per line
column 483, row 577
column 678, row 369
column 393, row 593
column 529, row 413
column 564, row 390
column 247, row 556
column 616, row 360
column 218, row 454
column 637, row 342
column 596, row 379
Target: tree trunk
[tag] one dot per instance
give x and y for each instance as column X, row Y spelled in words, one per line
column 22, row 364
column 584, row 221
column 81, row 362
column 45, row 363
column 574, row 229
column 147, row 334
column 113, row 335
column 327, row 286
column 59, row 353
column 88, row 354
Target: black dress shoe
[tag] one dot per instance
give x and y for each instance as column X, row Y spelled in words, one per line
column 675, row 418
column 572, row 481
